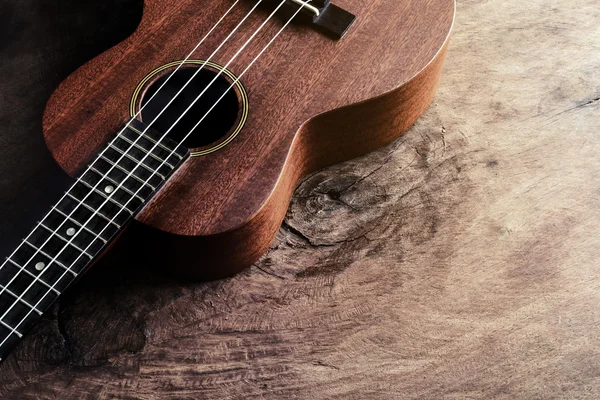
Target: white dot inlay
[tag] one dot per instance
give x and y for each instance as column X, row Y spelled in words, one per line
column 109, row 189
column 40, row 266
column 71, row 231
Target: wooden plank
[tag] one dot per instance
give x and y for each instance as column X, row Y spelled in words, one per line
column 458, row 262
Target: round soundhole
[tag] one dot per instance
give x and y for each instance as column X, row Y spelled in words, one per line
column 206, row 109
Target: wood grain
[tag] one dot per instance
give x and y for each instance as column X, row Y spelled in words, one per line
column 459, row 262
column 335, row 100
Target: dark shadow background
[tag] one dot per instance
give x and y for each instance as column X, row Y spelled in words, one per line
column 41, row 43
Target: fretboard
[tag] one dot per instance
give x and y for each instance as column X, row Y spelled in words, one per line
column 111, row 191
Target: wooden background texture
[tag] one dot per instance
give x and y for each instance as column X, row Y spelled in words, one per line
column 460, row 262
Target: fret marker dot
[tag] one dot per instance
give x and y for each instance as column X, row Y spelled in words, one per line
column 40, row 266
column 109, row 189
column 71, row 231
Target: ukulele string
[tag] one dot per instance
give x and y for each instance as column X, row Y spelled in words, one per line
column 172, row 152
column 198, row 70
column 38, row 249
column 215, row 78
column 2, row 289
column 108, row 197
column 139, row 112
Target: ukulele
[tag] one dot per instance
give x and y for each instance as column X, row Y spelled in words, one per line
column 186, row 140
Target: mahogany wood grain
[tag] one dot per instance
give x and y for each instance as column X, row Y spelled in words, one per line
column 314, row 101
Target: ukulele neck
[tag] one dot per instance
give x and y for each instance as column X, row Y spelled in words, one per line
column 112, row 190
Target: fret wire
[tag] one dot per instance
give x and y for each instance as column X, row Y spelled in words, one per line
column 54, row 259
column 144, row 183
column 159, row 143
column 154, row 141
column 57, row 262
column 51, row 258
column 68, row 217
column 35, row 277
column 129, row 174
column 79, row 224
column 7, row 290
column 94, row 211
column 139, row 163
column 116, row 183
column 11, row 329
column 157, row 158
column 107, row 198
column 66, row 241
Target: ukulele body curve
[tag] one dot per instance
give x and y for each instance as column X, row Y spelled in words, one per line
column 312, row 101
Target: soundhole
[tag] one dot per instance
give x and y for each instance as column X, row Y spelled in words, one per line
column 216, row 123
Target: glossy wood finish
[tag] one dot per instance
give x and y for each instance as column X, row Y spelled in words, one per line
column 458, row 262
column 313, row 101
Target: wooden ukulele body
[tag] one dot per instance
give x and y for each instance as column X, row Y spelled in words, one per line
column 313, row 101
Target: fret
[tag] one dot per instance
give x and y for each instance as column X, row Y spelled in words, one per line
column 132, row 182
column 109, row 198
column 144, row 150
column 79, row 238
column 90, row 208
column 105, row 238
column 49, row 257
column 127, row 173
column 91, row 213
column 77, row 223
column 11, row 329
column 93, row 223
column 18, row 298
column 22, row 269
column 100, row 176
column 154, row 141
column 133, row 167
column 31, row 290
column 94, row 211
column 150, row 146
column 96, row 205
column 154, row 163
column 52, row 240
column 20, row 275
column 67, row 241
column 137, row 162
column 104, row 222
column 20, row 317
column 8, row 340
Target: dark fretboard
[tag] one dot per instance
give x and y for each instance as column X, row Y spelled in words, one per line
column 111, row 191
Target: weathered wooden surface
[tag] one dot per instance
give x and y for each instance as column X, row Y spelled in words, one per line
column 459, row 262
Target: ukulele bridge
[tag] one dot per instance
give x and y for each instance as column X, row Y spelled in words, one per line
column 324, row 16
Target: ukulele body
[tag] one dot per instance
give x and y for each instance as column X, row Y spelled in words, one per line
column 308, row 102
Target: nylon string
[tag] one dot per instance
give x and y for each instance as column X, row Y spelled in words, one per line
column 100, row 155
column 172, row 152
